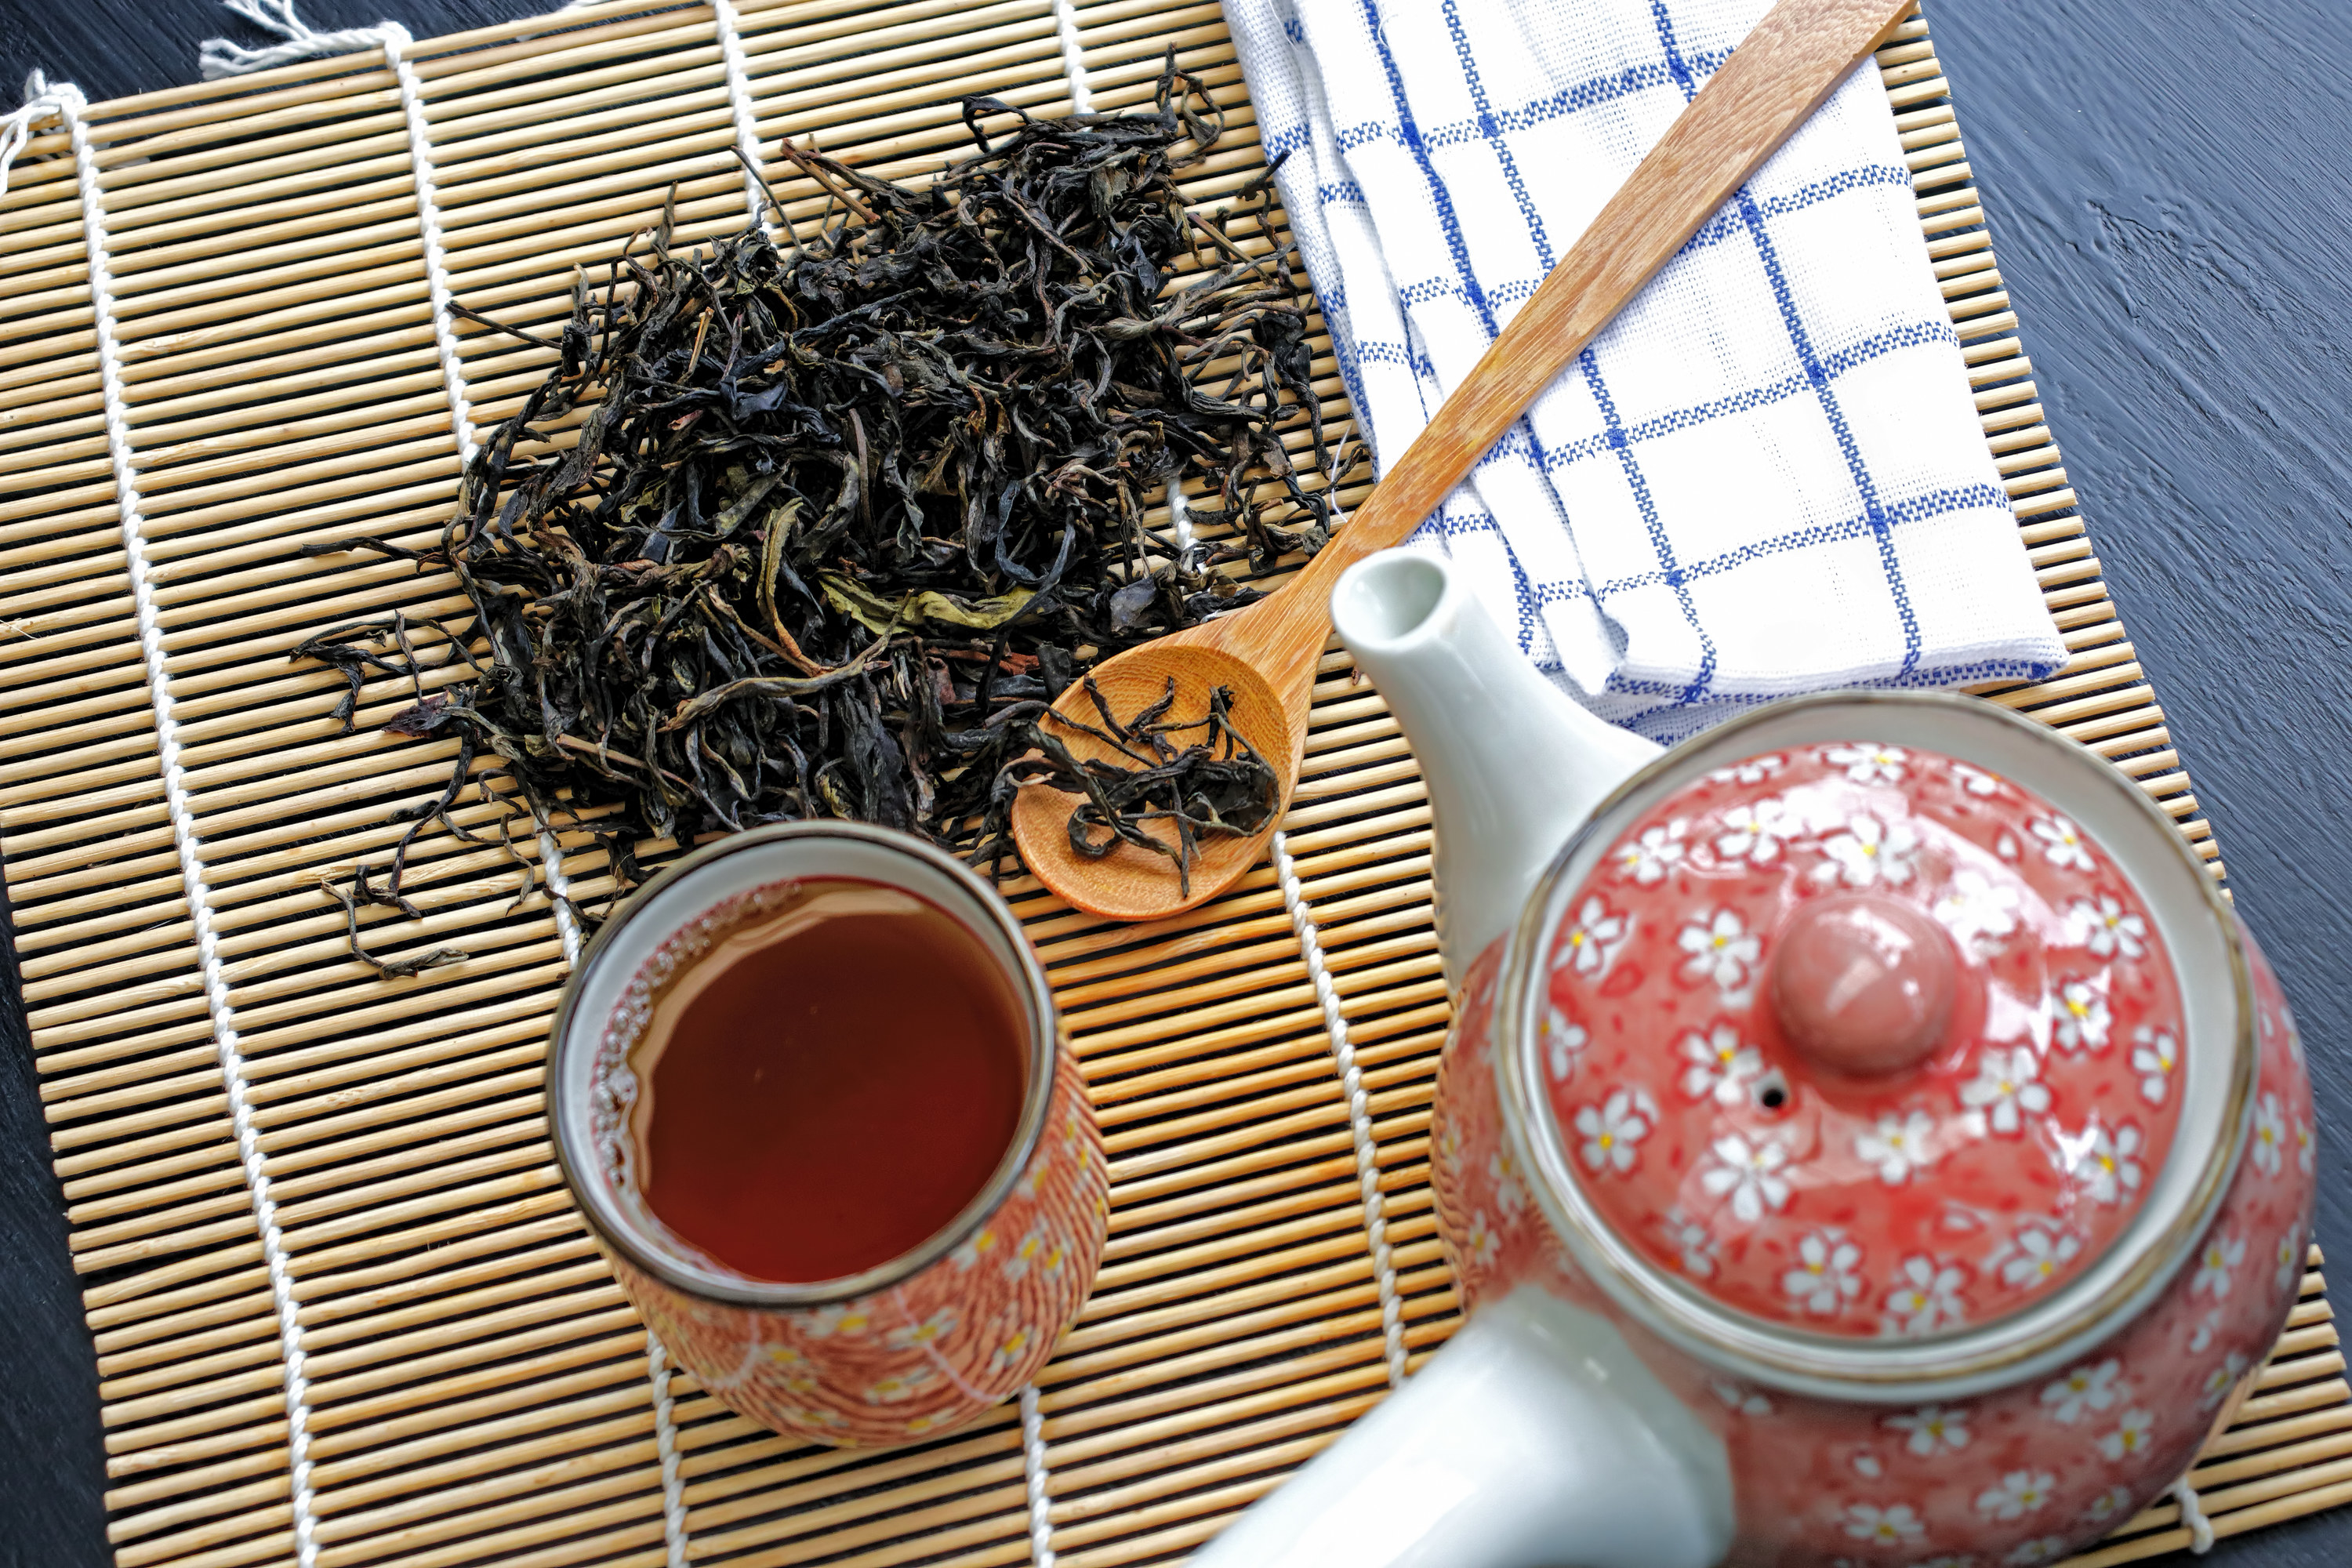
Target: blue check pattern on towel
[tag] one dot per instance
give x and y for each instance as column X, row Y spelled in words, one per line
column 1766, row 475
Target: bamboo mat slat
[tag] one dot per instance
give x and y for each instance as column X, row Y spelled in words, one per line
column 476, row 1390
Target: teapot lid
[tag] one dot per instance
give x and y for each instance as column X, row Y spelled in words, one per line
column 1858, row 1042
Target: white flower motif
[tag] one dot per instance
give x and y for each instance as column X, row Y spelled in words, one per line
column 1976, row 781
column 1868, row 763
column 1041, row 1249
column 2062, row 845
column 1755, row 831
column 1720, row 949
column 2021, row 1492
column 1009, row 1350
column 1897, row 1526
column 2153, row 1056
column 2043, row 1249
column 2101, row 925
column 2105, row 1164
column 2220, row 1380
column 1865, row 1464
column 1754, row 771
column 1695, row 1241
column 1562, row 1041
column 1748, row 1174
column 2206, row 1328
column 1592, row 940
column 2079, row 1017
column 843, row 1318
column 1932, row 1429
column 2004, row 1090
column 1975, row 906
column 2108, row 1505
column 1509, row 1196
column 2290, row 1258
column 2006, row 847
column 1484, row 1246
column 2043, row 1549
column 1649, row 858
column 1899, row 1147
column 1719, row 1065
column 1925, row 1299
column 2137, row 1431
column 930, row 1331
column 1870, row 852
column 1823, row 1281
column 1745, row 1401
column 899, row 1385
column 2268, row 1149
column 969, row 1255
column 2087, row 1388
column 2216, row 1263
column 1614, row 1130
column 2306, row 1149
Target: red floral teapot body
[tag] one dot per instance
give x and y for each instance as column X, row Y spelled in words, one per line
column 1870, row 1139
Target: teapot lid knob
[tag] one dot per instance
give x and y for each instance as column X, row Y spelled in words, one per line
column 1864, row 984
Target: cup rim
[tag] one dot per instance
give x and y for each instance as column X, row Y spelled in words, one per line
column 572, row 1032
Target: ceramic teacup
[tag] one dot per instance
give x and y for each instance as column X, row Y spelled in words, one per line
column 917, row 1345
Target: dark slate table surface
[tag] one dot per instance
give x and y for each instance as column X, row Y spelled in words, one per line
column 2171, row 211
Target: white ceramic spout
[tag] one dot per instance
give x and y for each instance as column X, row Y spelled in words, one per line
column 1513, row 765
column 1535, row 1439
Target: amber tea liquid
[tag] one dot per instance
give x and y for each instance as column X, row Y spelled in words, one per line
column 830, row 1084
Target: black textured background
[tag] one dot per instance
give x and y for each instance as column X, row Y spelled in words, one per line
column 2170, row 202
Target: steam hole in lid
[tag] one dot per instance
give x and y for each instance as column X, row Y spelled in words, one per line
column 1773, row 1091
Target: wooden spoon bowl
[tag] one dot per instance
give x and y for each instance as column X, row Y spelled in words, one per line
column 1266, row 654
column 1133, row 884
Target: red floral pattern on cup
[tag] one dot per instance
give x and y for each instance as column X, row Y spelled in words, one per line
column 2024, row 1475
column 1907, row 1205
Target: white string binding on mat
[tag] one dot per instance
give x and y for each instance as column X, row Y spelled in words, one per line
column 739, row 104
column 218, row 58
column 2192, row 1514
column 69, row 104
column 666, row 1445
column 1074, row 56
column 1360, row 1116
column 1033, row 1466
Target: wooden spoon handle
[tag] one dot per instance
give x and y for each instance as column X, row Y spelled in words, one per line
column 1773, row 82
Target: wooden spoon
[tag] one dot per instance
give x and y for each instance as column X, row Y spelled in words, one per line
column 1266, row 654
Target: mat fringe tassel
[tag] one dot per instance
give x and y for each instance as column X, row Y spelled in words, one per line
column 1360, row 1118
column 67, row 101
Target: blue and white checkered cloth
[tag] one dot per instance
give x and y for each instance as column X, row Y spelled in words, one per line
column 1766, row 475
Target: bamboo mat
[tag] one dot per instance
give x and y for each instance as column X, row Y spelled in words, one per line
column 473, row 1389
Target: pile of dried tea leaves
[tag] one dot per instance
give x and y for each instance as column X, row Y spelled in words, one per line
column 840, row 521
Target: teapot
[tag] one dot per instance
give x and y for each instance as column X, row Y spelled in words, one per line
column 1866, row 1135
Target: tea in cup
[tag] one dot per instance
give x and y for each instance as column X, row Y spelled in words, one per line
column 809, row 1090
